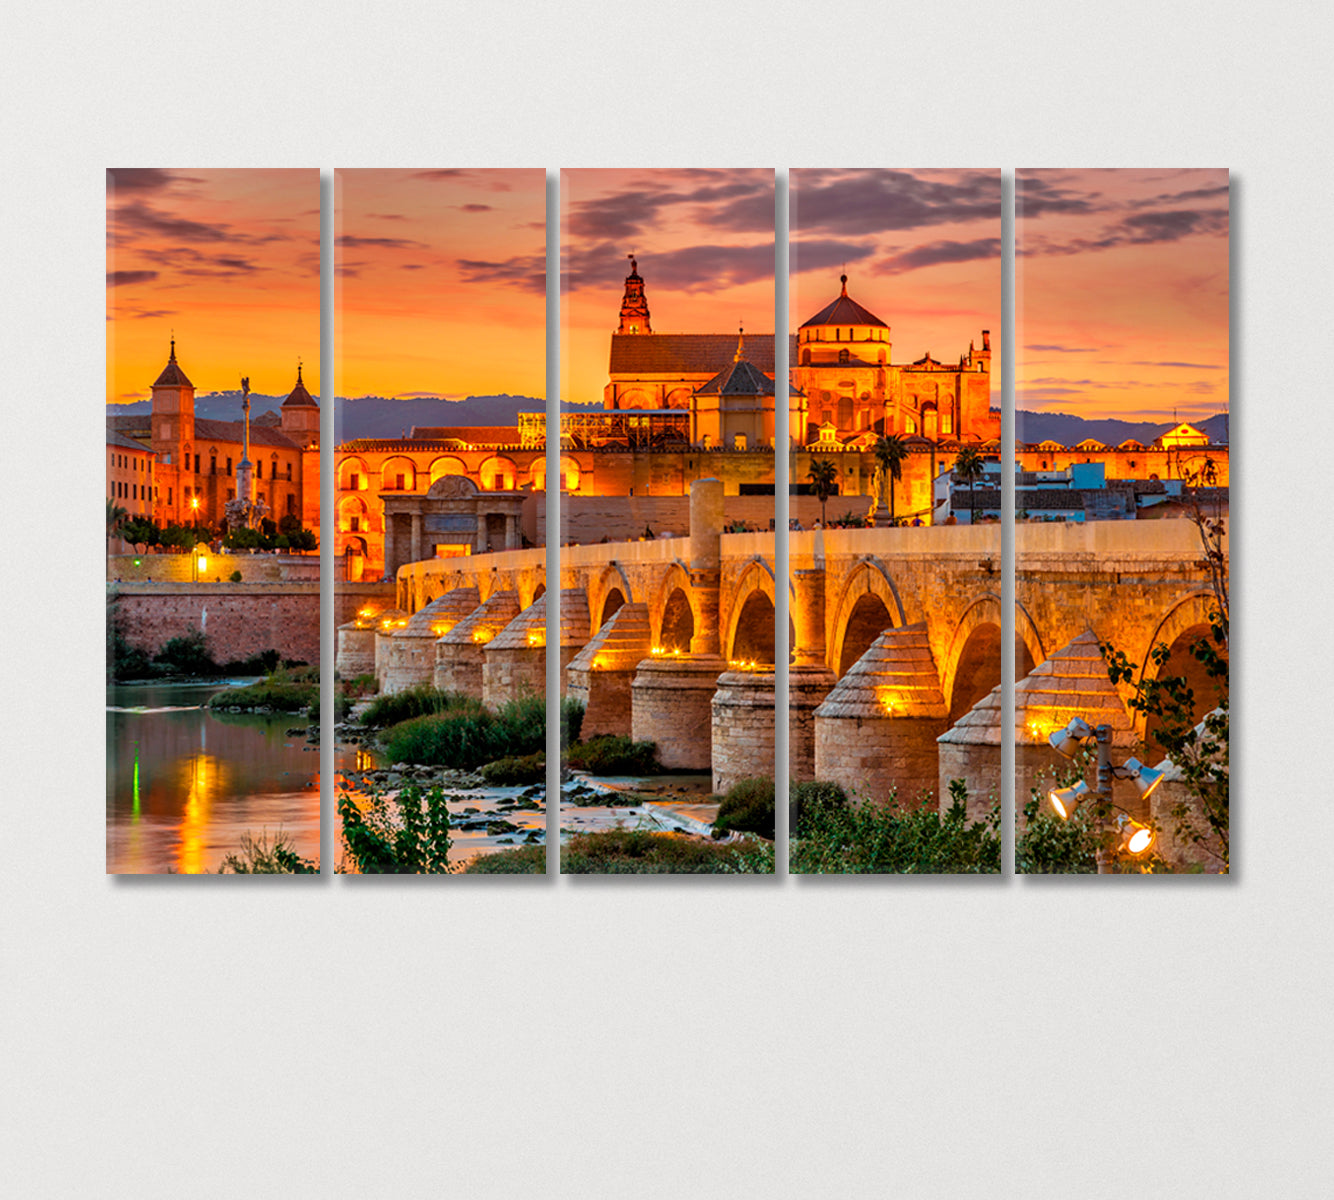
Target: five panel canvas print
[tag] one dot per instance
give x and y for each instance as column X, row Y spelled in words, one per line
column 680, row 415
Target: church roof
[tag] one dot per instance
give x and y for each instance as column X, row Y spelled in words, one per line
column 844, row 311
column 115, row 438
column 486, row 435
column 209, row 430
column 300, row 398
column 688, row 353
column 740, row 379
column 172, row 375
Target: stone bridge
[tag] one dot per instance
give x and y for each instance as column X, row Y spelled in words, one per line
column 894, row 640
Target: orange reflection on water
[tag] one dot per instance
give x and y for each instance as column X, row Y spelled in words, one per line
column 204, row 777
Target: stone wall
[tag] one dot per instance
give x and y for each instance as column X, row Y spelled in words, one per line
column 181, row 568
column 742, row 719
column 876, row 756
column 237, row 619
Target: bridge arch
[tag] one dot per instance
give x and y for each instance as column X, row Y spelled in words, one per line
column 1185, row 623
column 667, row 621
column 972, row 665
column 609, row 583
column 753, row 602
column 868, row 577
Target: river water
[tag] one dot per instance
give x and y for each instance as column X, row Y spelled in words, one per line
column 185, row 783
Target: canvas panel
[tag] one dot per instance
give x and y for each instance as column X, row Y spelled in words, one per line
column 213, row 486
column 667, row 519
column 1122, row 558
column 440, row 523
column 895, row 564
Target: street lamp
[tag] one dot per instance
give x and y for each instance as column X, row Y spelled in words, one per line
column 1133, row 838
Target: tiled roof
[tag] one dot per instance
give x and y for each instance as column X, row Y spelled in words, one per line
column 123, row 442
column 844, row 311
column 172, row 375
column 739, row 379
column 689, row 353
column 503, row 435
column 209, row 430
column 300, row 398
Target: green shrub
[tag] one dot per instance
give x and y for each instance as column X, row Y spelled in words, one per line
column 259, row 856
column 526, row 860
column 510, row 772
column 869, row 839
column 235, row 576
column 812, row 798
column 748, row 807
column 639, row 852
column 613, row 754
column 419, row 701
column 571, row 721
column 406, row 835
column 468, row 735
column 187, row 655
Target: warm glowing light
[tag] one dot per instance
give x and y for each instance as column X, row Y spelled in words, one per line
column 481, row 635
column 1136, row 838
column 1066, row 800
column 203, row 563
column 194, row 503
column 537, row 637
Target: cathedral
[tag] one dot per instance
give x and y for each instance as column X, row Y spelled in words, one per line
column 845, row 388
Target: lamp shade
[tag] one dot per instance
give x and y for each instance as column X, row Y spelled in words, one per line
column 1146, row 778
column 1066, row 800
column 1136, row 838
column 1068, row 741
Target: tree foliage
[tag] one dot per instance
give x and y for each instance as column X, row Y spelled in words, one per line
column 406, row 834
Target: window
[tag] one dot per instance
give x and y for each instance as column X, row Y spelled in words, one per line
column 355, row 525
column 169, row 495
column 354, row 482
column 400, row 483
column 289, row 472
column 229, row 464
column 259, row 468
column 844, row 356
column 196, row 464
column 212, row 464
column 947, row 422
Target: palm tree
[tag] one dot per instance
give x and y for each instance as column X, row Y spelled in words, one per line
column 824, row 479
column 969, row 466
column 889, row 455
column 116, row 517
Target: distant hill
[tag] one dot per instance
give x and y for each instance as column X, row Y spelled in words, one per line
column 217, row 406
column 387, row 417
column 372, row 416
column 384, row 417
column 1069, row 429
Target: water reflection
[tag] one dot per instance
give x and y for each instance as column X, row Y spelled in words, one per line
column 185, row 783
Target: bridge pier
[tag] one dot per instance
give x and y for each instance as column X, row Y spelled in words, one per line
column 458, row 654
column 411, row 659
column 514, row 662
column 742, row 718
column 809, row 678
column 601, row 674
column 875, row 734
column 390, row 622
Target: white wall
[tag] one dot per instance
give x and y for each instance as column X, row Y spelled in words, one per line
column 909, row 1038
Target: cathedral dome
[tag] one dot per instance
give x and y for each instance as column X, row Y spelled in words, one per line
column 845, row 311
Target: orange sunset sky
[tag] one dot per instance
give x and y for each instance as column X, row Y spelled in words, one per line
column 1122, row 292
column 921, row 248
column 441, row 282
column 705, row 243
column 229, row 260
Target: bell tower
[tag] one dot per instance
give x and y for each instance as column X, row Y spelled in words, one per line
column 173, row 415
column 634, row 304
